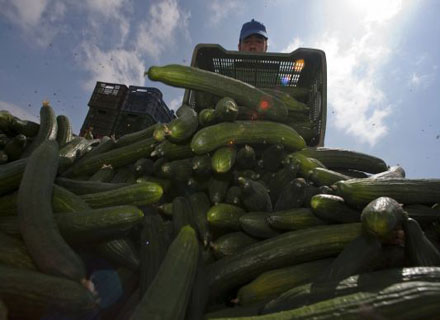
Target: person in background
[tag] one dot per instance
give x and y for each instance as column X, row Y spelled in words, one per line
column 253, row 37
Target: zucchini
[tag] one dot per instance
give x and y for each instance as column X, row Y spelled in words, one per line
column 244, row 94
column 169, row 293
column 256, row 225
column 116, row 157
column 293, row 219
column 120, row 251
column 298, row 246
column 359, row 192
column 13, row 253
column 28, row 294
column 231, row 243
column 272, row 283
column 47, row 130
column 223, row 159
column 226, row 110
column 245, row 132
column 333, row 209
column 225, row 216
column 80, row 187
column 254, row 195
column 419, row 249
column 64, row 133
column 37, row 224
column 381, row 217
column 346, row 159
column 138, row 194
column 14, row 148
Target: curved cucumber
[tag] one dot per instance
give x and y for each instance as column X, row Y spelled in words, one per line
column 245, row 132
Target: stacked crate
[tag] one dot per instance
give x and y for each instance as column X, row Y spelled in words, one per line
column 142, row 107
column 104, row 107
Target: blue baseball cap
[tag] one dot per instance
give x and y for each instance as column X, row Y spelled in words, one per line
column 252, row 27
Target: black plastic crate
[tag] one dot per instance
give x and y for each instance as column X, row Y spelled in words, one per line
column 303, row 68
column 101, row 121
column 108, row 96
column 146, row 100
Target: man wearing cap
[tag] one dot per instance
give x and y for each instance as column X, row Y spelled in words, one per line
column 253, row 37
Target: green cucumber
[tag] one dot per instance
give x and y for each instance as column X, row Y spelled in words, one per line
column 139, row 194
column 272, row 157
column 325, row 177
column 124, row 175
column 143, row 167
column 13, row 253
column 245, row 132
column 294, row 195
column 218, row 186
column 103, row 174
column 133, row 137
column 29, row 294
column 168, row 295
column 254, row 195
column 346, row 159
column 226, row 109
column 419, row 249
column 37, row 224
column 255, row 224
column 231, row 243
column 201, row 165
column 182, row 214
column 183, row 127
column 280, row 179
column 304, row 163
column 200, row 205
column 26, row 127
column 332, row 208
column 272, row 283
column 172, row 151
column 244, row 94
column 64, row 133
column 291, row 103
column 178, row 170
column 246, row 158
column 120, row 251
column 207, row 117
column 116, row 157
column 80, row 187
column 298, row 246
column 47, row 130
column 381, row 217
column 14, row 148
column 223, row 159
column 225, row 216
column 106, row 144
column 293, row 219
column 233, row 195
column 11, row 174
column 73, row 150
column 359, row 192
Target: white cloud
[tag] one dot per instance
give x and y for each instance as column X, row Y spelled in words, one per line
column 116, row 65
column 418, row 80
column 175, row 103
column 220, row 9
column 158, row 31
column 295, row 44
column 106, row 8
column 19, row 112
column 38, row 19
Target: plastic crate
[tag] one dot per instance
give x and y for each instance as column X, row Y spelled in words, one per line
column 108, row 95
column 146, row 100
column 302, row 68
column 101, row 120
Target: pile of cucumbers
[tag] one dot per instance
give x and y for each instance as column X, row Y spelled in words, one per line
column 223, row 213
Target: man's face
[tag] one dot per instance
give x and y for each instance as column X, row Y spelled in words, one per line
column 253, row 43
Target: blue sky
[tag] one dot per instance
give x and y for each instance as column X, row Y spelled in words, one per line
column 382, row 57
